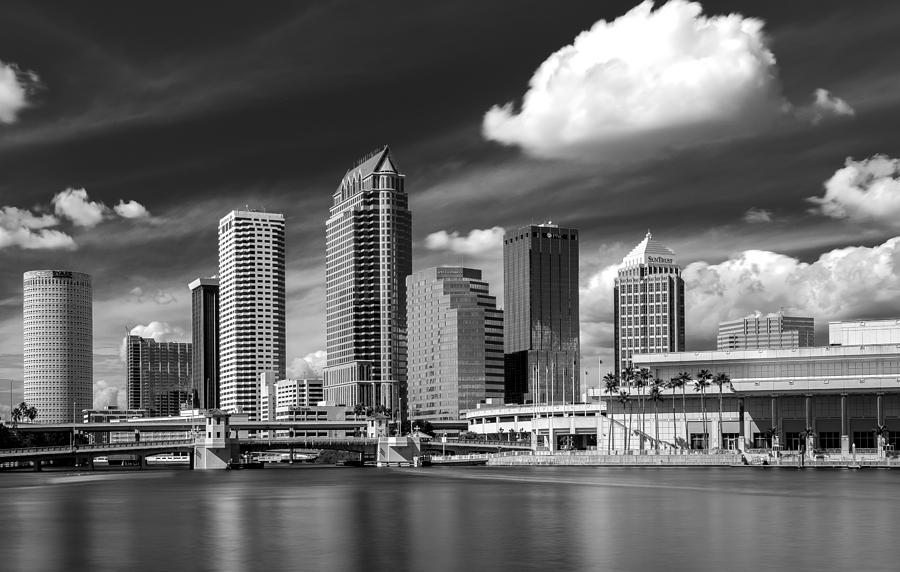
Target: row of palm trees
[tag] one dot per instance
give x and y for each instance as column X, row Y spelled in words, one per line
column 650, row 387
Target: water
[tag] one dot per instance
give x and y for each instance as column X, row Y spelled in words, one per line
column 463, row 518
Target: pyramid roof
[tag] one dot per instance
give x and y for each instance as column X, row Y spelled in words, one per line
column 649, row 251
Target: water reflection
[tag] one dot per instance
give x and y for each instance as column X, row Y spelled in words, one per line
column 541, row 518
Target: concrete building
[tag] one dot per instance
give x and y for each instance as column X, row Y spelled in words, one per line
column 455, row 347
column 251, row 306
column 648, row 303
column 768, row 331
column 840, row 393
column 58, row 344
column 278, row 398
column 541, row 319
column 158, row 376
column 205, row 342
column 368, row 255
column 864, row 332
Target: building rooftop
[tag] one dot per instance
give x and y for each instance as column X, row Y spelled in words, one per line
column 649, row 251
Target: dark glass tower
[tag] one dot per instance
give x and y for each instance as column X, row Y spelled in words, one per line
column 205, row 340
column 158, row 375
column 541, row 324
column 368, row 255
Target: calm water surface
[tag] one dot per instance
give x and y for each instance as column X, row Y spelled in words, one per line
column 541, row 518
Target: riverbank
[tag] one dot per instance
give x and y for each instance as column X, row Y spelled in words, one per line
column 588, row 458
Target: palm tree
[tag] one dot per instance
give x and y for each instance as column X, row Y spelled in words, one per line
column 610, row 386
column 623, row 398
column 656, row 396
column 700, row 384
column 673, row 384
column 642, row 377
column 359, row 409
column 17, row 415
column 721, row 379
column 684, row 378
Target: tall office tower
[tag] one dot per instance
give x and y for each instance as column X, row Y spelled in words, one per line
column 58, row 344
column 368, row 255
column 205, row 341
column 455, row 347
column 158, row 375
column 648, row 303
column 251, row 306
column 769, row 331
column 541, row 323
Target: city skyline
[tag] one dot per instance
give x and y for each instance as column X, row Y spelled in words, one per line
column 144, row 138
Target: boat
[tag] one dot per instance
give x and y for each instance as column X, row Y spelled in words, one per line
column 177, row 458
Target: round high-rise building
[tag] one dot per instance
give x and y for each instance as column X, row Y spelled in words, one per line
column 58, row 344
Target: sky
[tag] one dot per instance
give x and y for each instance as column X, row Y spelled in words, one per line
column 755, row 139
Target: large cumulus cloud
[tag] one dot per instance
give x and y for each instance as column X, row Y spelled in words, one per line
column 844, row 283
column 308, row 367
column 647, row 82
column 866, row 191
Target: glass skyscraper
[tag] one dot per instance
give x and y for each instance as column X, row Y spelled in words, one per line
column 368, row 255
column 158, row 375
column 541, row 321
column 455, row 347
column 205, row 340
column 648, row 303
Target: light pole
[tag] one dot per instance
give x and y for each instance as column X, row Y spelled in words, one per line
column 73, row 423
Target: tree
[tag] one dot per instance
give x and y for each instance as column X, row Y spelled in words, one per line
column 720, row 380
column 359, row 409
column 642, row 377
column 17, row 414
column 882, row 434
column 656, row 396
column 683, row 379
column 610, row 386
column 623, row 398
column 700, row 384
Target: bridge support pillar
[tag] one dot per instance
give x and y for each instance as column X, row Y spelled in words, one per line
column 215, row 449
column 397, row 451
column 37, row 465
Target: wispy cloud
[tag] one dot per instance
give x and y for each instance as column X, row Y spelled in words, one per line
column 15, row 87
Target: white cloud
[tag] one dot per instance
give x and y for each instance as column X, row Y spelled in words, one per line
column 161, row 332
column 844, row 283
column 757, row 216
column 863, row 191
column 106, row 394
column 131, row 209
column 15, row 86
column 646, row 82
column 309, row 366
column 74, row 205
column 478, row 241
column 825, row 104
column 31, row 231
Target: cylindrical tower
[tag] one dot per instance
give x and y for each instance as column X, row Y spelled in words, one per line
column 58, row 339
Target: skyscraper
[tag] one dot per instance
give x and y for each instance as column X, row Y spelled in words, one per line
column 769, row 331
column 157, row 375
column 455, row 342
column 251, row 306
column 648, row 303
column 205, row 341
column 541, row 320
column 58, row 344
column 368, row 255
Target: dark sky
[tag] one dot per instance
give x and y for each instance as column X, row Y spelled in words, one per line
column 195, row 109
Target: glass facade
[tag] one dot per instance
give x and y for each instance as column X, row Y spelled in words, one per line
column 205, row 341
column 455, row 348
column 541, row 314
column 158, row 375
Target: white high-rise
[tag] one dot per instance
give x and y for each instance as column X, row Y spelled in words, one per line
column 251, row 306
column 58, row 344
column 648, row 303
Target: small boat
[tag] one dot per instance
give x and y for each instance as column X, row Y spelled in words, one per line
column 239, row 465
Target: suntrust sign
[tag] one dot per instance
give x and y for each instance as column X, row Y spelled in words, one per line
column 661, row 259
